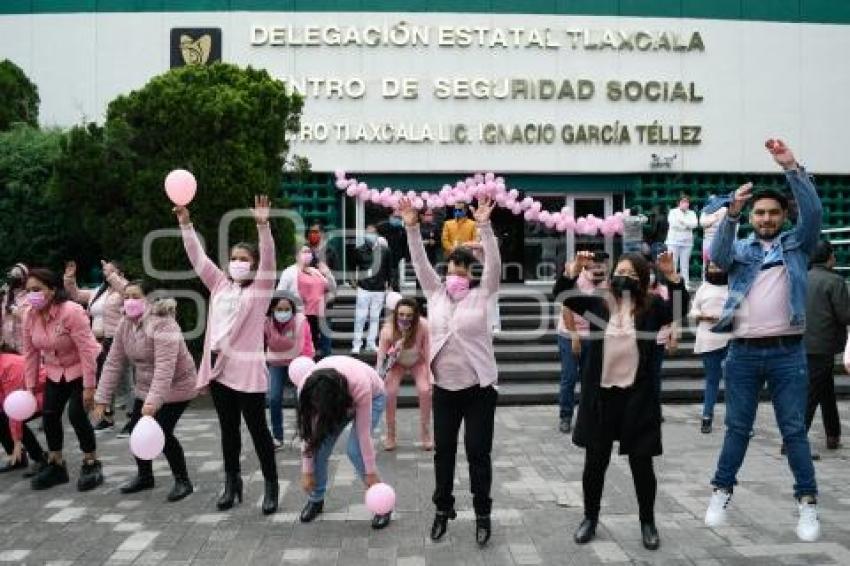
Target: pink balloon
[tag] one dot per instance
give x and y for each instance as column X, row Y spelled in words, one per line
column 500, row 187
column 351, row 191
column 341, row 184
column 561, row 226
column 147, row 439
column 513, row 193
column 478, row 177
column 180, row 186
column 411, row 195
column 375, row 196
column 446, row 188
column 451, row 200
column 516, row 208
column 20, row 405
column 531, row 215
column 380, row 499
column 340, row 174
column 489, row 177
column 362, row 187
column 537, row 205
column 439, row 202
column 471, row 183
column 526, row 203
column 418, row 204
column 299, row 369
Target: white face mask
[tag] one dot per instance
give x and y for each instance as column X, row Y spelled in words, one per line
column 239, row 270
column 283, row 316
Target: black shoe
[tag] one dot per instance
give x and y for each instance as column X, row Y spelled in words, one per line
column 381, row 521
column 103, row 425
column 125, row 431
column 52, row 474
column 9, row 466
column 137, row 484
column 441, row 524
column 706, row 425
column 36, row 467
column 182, row 488
column 270, row 498
column 312, row 510
column 566, row 425
column 91, row 475
column 650, row 536
column 232, row 491
column 586, row 531
column 833, row 442
column 483, row 529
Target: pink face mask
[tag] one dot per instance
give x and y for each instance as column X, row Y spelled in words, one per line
column 36, row 300
column 239, row 270
column 684, row 205
column 457, row 286
column 306, row 258
column 134, row 308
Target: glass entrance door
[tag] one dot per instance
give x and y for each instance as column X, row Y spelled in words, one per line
column 599, row 205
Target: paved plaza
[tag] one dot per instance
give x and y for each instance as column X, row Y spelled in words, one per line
column 537, row 505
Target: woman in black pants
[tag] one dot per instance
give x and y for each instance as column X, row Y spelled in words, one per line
column 619, row 400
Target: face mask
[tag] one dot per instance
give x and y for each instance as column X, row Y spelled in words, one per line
column 306, row 258
column 314, row 238
column 36, row 300
column 684, row 205
column 370, row 238
column 395, row 221
column 239, row 270
column 717, row 278
column 620, row 285
column 457, row 287
column 459, row 214
column 134, row 308
column 283, row 316
column 403, row 323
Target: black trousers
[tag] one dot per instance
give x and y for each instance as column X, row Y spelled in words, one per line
column 822, row 392
column 475, row 407
column 597, row 456
column 316, row 332
column 230, row 405
column 29, row 440
column 167, row 417
column 56, row 396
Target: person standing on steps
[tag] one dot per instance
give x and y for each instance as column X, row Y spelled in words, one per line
column 766, row 313
column 680, row 236
column 373, row 274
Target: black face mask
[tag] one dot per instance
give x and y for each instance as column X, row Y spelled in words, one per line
column 717, row 278
column 620, row 285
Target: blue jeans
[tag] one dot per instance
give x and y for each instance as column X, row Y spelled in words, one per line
column 278, row 380
column 712, row 362
column 570, row 367
column 784, row 369
column 632, row 247
column 323, row 454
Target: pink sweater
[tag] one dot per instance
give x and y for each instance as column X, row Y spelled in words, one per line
column 466, row 320
column 113, row 299
column 63, row 342
column 363, row 384
column 421, row 343
column 241, row 364
column 165, row 371
column 287, row 342
column 11, row 380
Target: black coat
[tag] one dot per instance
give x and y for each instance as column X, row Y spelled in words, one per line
column 640, row 433
column 373, row 277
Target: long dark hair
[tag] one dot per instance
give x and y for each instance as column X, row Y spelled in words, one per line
column 104, row 287
column 324, row 407
column 643, row 298
column 279, row 296
column 52, row 281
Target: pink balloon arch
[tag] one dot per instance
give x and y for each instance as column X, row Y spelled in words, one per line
column 485, row 184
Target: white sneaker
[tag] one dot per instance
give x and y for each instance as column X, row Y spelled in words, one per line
column 715, row 515
column 808, row 526
column 355, row 351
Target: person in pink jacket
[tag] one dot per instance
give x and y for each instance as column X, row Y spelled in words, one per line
column 404, row 347
column 103, row 305
column 288, row 336
column 233, row 365
column 16, row 436
column 334, row 392
column 463, row 365
column 13, row 303
column 57, row 336
column 149, row 338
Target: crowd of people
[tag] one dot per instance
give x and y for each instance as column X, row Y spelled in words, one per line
column 770, row 309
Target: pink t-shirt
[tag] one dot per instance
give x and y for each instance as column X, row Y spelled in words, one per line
column 766, row 311
column 312, row 290
column 620, row 352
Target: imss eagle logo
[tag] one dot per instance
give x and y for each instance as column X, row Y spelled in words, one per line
column 195, row 46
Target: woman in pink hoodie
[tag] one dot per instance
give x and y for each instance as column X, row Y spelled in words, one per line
column 338, row 390
column 233, row 366
column 463, row 364
column 149, row 338
column 288, row 336
column 404, row 347
column 16, row 436
column 57, row 336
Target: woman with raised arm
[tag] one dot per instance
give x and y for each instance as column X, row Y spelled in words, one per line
column 619, row 400
column 234, row 363
column 463, row 364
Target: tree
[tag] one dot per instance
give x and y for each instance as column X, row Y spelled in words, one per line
column 18, row 97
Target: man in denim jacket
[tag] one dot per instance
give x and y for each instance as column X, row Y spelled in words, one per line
column 766, row 313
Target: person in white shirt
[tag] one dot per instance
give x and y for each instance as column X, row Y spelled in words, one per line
column 711, row 346
column 680, row 236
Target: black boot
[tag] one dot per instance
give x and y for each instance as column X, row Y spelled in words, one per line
column 441, row 524
column 36, row 466
column 482, row 529
column 381, row 521
column 270, row 498
column 91, row 475
column 705, row 428
column 137, row 484
column 650, row 535
column 312, row 510
column 52, row 474
column 232, row 491
column 586, row 531
column 182, row 488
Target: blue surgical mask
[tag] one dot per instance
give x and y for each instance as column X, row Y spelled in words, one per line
column 395, row 221
column 283, row 317
column 459, row 214
column 370, row 238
